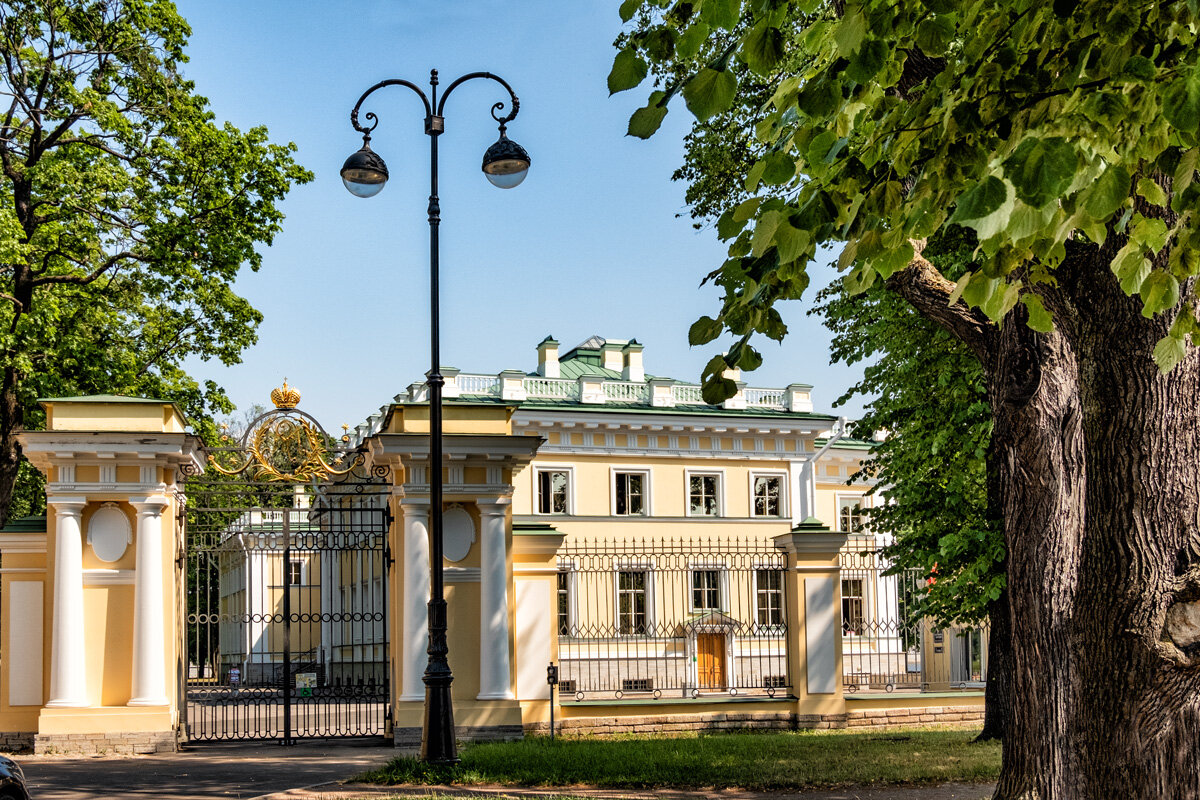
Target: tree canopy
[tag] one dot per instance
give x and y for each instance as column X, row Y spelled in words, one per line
column 1031, row 124
column 126, row 212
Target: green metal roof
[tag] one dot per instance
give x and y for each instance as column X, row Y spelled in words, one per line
column 25, row 525
column 848, row 443
column 576, row 368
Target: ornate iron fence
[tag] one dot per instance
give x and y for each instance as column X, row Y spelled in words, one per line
column 652, row 618
column 885, row 646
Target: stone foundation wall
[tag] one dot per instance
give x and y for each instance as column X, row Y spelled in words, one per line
column 936, row 715
column 411, row 737
column 17, row 742
column 126, row 744
column 679, row 723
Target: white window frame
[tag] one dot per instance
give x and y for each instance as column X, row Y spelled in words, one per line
column 537, row 483
column 567, row 568
column 861, row 497
column 782, row 476
column 303, row 562
column 633, row 566
column 688, row 474
column 647, row 510
column 754, row 607
column 722, row 570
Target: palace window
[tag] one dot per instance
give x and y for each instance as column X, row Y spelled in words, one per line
column 853, row 599
column 706, row 589
column 768, row 495
column 554, row 487
column 632, row 605
column 564, row 601
column 630, row 493
column 850, row 514
column 296, row 573
column 768, row 597
column 704, row 495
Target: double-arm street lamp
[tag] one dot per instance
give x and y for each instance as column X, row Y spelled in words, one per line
column 505, row 164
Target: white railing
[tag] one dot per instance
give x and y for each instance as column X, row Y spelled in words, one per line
column 557, row 388
column 765, row 397
column 687, row 395
column 626, row 392
column 479, row 384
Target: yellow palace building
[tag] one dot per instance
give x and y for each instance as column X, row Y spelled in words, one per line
column 682, row 565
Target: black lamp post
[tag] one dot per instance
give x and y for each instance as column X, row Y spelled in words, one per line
column 505, row 164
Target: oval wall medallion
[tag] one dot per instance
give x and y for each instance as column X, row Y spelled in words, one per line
column 109, row 533
column 458, row 533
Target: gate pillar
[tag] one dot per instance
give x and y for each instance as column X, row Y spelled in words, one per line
column 812, row 592
column 111, row 465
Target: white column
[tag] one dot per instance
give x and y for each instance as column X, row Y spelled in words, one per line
column 495, row 679
column 68, row 666
column 415, row 603
column 804, row 490
column 149, row 677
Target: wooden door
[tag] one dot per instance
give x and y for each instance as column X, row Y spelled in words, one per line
column 710, row 660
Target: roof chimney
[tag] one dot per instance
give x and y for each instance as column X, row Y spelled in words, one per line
column 548, row 358
column 633, row 369
column 610, row 353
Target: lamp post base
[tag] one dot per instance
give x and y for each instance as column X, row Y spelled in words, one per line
column 438, row 745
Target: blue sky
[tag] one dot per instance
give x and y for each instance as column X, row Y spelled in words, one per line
column 593, row 242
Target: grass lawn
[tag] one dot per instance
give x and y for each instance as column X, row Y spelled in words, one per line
column 760, row 761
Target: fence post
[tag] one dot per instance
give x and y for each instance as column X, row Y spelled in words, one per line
column 814, row 634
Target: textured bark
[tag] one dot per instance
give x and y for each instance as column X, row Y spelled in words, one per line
column 1098, row 455
column 1101, row 511
column 12, row 419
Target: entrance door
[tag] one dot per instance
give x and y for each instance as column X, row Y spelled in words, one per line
column 710, row 660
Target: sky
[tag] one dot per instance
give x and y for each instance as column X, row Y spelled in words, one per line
column 596, row 241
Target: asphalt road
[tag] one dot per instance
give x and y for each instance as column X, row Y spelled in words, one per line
column 239, row 770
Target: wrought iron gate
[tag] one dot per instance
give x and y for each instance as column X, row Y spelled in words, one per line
column 286, row 607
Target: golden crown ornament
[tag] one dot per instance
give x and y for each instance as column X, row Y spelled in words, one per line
column 285, row 396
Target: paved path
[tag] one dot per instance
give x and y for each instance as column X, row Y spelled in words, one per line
column 228, row 770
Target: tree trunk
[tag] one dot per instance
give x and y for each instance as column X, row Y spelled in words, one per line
column 1100, row 456
column 997, row 696
column 12, row 419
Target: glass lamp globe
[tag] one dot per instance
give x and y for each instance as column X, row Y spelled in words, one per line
column 505, row 164
column 364, row 173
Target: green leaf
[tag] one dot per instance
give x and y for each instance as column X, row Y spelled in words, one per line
column 1169, row 351
column 628, row 70
column 745, row 209
column 709, row 92
column 1041, row 170
column 754, row 175
column 790, row 242
column 1108, row 192
column 692, row 40
column 867, row 62
column 780, row 168
column 1139, row 68
column 762, row 47
column 980, row 200
column 728, row 226
column 721, row 13
column 1159, row 292
column 1153, row 193
column 850, row 32
column 646, row 120
column 1131, row 268
column 1181, row 101
column 764, row 232
column 628, row 9
column 1039, row 318
column 1150, row 233
column 892, row 261
column 935, row 34
column 703, row 331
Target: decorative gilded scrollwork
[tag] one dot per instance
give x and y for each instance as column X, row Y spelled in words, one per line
column 286, row 445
